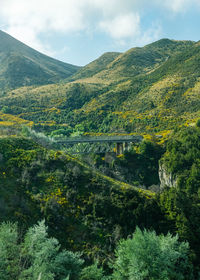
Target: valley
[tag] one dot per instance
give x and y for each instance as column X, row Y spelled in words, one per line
column 93, row 202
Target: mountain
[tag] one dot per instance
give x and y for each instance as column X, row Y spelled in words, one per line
column 150, row 91
column 21, row 65
column 96, row 66
column 145, row 90
column 136, row 61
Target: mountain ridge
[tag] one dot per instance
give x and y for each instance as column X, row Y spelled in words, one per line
column 97, row 65
column 144, row 90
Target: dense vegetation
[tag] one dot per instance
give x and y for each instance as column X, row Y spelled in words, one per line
column 148, row 256
column 90, row 212
column 138, row 166
column 37, row 256
column 181, row 203
column 131, row 216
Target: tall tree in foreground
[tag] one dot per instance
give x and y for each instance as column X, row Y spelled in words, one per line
column 9, row 252
column 46, row 259
column 149, row 256
column 38, row 257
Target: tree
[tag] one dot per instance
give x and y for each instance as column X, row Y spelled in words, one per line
column 92, row 272
column 9, row 251
column 198, row 123
column 38, row 257
column 149, row 256
column 46, row 259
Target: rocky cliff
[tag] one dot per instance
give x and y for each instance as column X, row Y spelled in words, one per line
column 166, row 177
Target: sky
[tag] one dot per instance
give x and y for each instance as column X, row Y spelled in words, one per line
column 79, row 31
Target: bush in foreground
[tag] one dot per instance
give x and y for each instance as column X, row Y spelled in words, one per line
column 149, row 256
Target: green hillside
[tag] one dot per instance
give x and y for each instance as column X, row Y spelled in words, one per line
column 145, row 90
column 22, row 65
column 142, row 60
column 95, row 66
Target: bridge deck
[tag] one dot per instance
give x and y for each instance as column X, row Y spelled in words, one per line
column 99, row 139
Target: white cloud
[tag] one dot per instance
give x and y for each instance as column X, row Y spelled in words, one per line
column 179, row 6
column 122, row 26
column 121, row 20
column 126, row 29
column 26, row 20
column 150, row 35
column 44, row 14
column 113, row 7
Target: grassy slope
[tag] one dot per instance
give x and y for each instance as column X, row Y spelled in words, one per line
column 142, row 60
column 95, row 66
column 145, row 89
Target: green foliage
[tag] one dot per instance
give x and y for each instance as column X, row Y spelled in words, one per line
column 93, row 272
column 61, row 132
column 181, row 203
column 150, row 89
column 5, row 109
column 81, row 207
column 138, row 168
column 198, row 123
column 182, row 157
column 9, row 252
column 38, row 257
column 150, row 256
column 45, row 258
column 95, row 66
column 182, row 211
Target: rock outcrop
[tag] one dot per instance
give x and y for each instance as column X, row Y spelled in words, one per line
column 166, row 177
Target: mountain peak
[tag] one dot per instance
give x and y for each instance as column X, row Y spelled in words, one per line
column 22, row 65
column 165, row 42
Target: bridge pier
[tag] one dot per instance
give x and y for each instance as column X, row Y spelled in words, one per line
column 122, row 147
column 119, row 149
column 126, row 146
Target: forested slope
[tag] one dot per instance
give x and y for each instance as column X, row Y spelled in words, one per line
column 82, row 207
column 90, row 212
